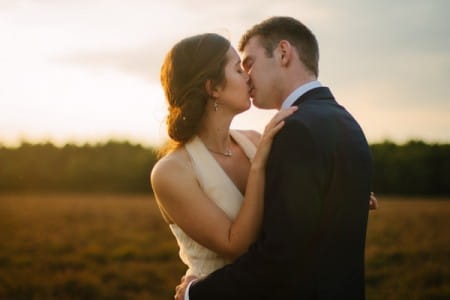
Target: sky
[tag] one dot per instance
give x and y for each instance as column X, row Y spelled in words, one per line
column 87, row 71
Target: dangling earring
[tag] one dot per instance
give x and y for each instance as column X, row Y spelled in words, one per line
column 216, row 105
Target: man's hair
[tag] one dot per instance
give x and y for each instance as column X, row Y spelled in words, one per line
column 271, row 31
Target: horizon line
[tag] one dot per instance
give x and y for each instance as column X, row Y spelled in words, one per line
column 157, row 145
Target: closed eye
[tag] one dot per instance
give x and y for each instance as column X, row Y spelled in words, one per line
column 238, row 66
column 247, row 64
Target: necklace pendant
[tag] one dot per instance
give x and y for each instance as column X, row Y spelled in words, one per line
column 227, row 153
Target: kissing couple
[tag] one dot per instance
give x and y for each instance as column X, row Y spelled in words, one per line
column 277, row 215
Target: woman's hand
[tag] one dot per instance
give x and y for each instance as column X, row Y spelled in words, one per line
column 180, row 290
column 271, row 129
column 373, row 202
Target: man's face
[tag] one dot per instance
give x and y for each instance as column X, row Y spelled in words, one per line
column 263, row 71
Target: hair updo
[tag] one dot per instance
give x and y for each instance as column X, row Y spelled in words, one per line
column 186, row 68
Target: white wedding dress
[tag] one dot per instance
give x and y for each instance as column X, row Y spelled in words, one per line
column 220, row 189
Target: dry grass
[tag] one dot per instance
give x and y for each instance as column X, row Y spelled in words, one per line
column 85, row 247
column 117, row 247
column 408, row 250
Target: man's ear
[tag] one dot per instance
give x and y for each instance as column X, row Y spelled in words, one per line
column 284, row 50
column 213, row 92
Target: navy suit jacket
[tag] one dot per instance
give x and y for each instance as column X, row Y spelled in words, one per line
column 318, row 182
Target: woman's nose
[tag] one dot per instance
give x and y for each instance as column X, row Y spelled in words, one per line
column 246, row 76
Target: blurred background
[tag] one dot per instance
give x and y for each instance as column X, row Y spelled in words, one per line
column 82, row 116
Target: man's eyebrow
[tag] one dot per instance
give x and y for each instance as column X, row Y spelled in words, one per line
column 238, row 62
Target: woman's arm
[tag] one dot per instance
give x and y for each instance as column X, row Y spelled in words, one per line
column 185, row 203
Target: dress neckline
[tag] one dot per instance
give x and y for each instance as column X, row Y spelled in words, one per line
column 214, row 161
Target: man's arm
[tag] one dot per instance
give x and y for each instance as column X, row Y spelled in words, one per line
column 292, row 208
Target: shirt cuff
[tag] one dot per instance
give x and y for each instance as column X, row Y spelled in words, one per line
column 186, row 293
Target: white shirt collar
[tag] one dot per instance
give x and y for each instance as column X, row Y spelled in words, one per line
column 299, row 92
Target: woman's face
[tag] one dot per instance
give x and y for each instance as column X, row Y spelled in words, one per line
column 235, row 93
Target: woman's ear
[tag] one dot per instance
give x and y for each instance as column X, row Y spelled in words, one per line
column 213, row 92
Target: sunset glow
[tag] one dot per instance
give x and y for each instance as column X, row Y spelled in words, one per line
column 88, row 71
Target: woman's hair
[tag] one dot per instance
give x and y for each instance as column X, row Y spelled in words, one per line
column 186, row 68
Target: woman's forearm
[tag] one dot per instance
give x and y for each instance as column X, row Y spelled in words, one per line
column 244, row 230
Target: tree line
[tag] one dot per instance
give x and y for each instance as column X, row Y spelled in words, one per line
column 413, row 168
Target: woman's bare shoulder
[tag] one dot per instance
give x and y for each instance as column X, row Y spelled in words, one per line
column 253, row 135
column 176, row 162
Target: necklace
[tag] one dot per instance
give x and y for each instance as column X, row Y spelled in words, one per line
column 227, row 153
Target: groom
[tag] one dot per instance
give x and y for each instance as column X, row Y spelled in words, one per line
column 318, row 180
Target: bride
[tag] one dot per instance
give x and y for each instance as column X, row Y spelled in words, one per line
column 210, row 184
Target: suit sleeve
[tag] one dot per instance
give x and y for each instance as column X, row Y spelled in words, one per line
column 294, row 181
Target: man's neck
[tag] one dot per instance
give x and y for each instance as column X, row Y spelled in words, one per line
column 296, row 83
column 298, row 92
column 293, row 82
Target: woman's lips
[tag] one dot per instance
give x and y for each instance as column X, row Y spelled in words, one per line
column 252, row 92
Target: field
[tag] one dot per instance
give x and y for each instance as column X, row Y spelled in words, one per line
column 117, row 247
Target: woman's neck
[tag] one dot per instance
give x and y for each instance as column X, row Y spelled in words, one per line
column 215, row 132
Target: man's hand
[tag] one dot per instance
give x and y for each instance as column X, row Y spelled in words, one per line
column 180, row 290
column 373, row 202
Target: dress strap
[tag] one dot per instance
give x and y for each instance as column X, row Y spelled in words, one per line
column 245, row 143
column 212, row 178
